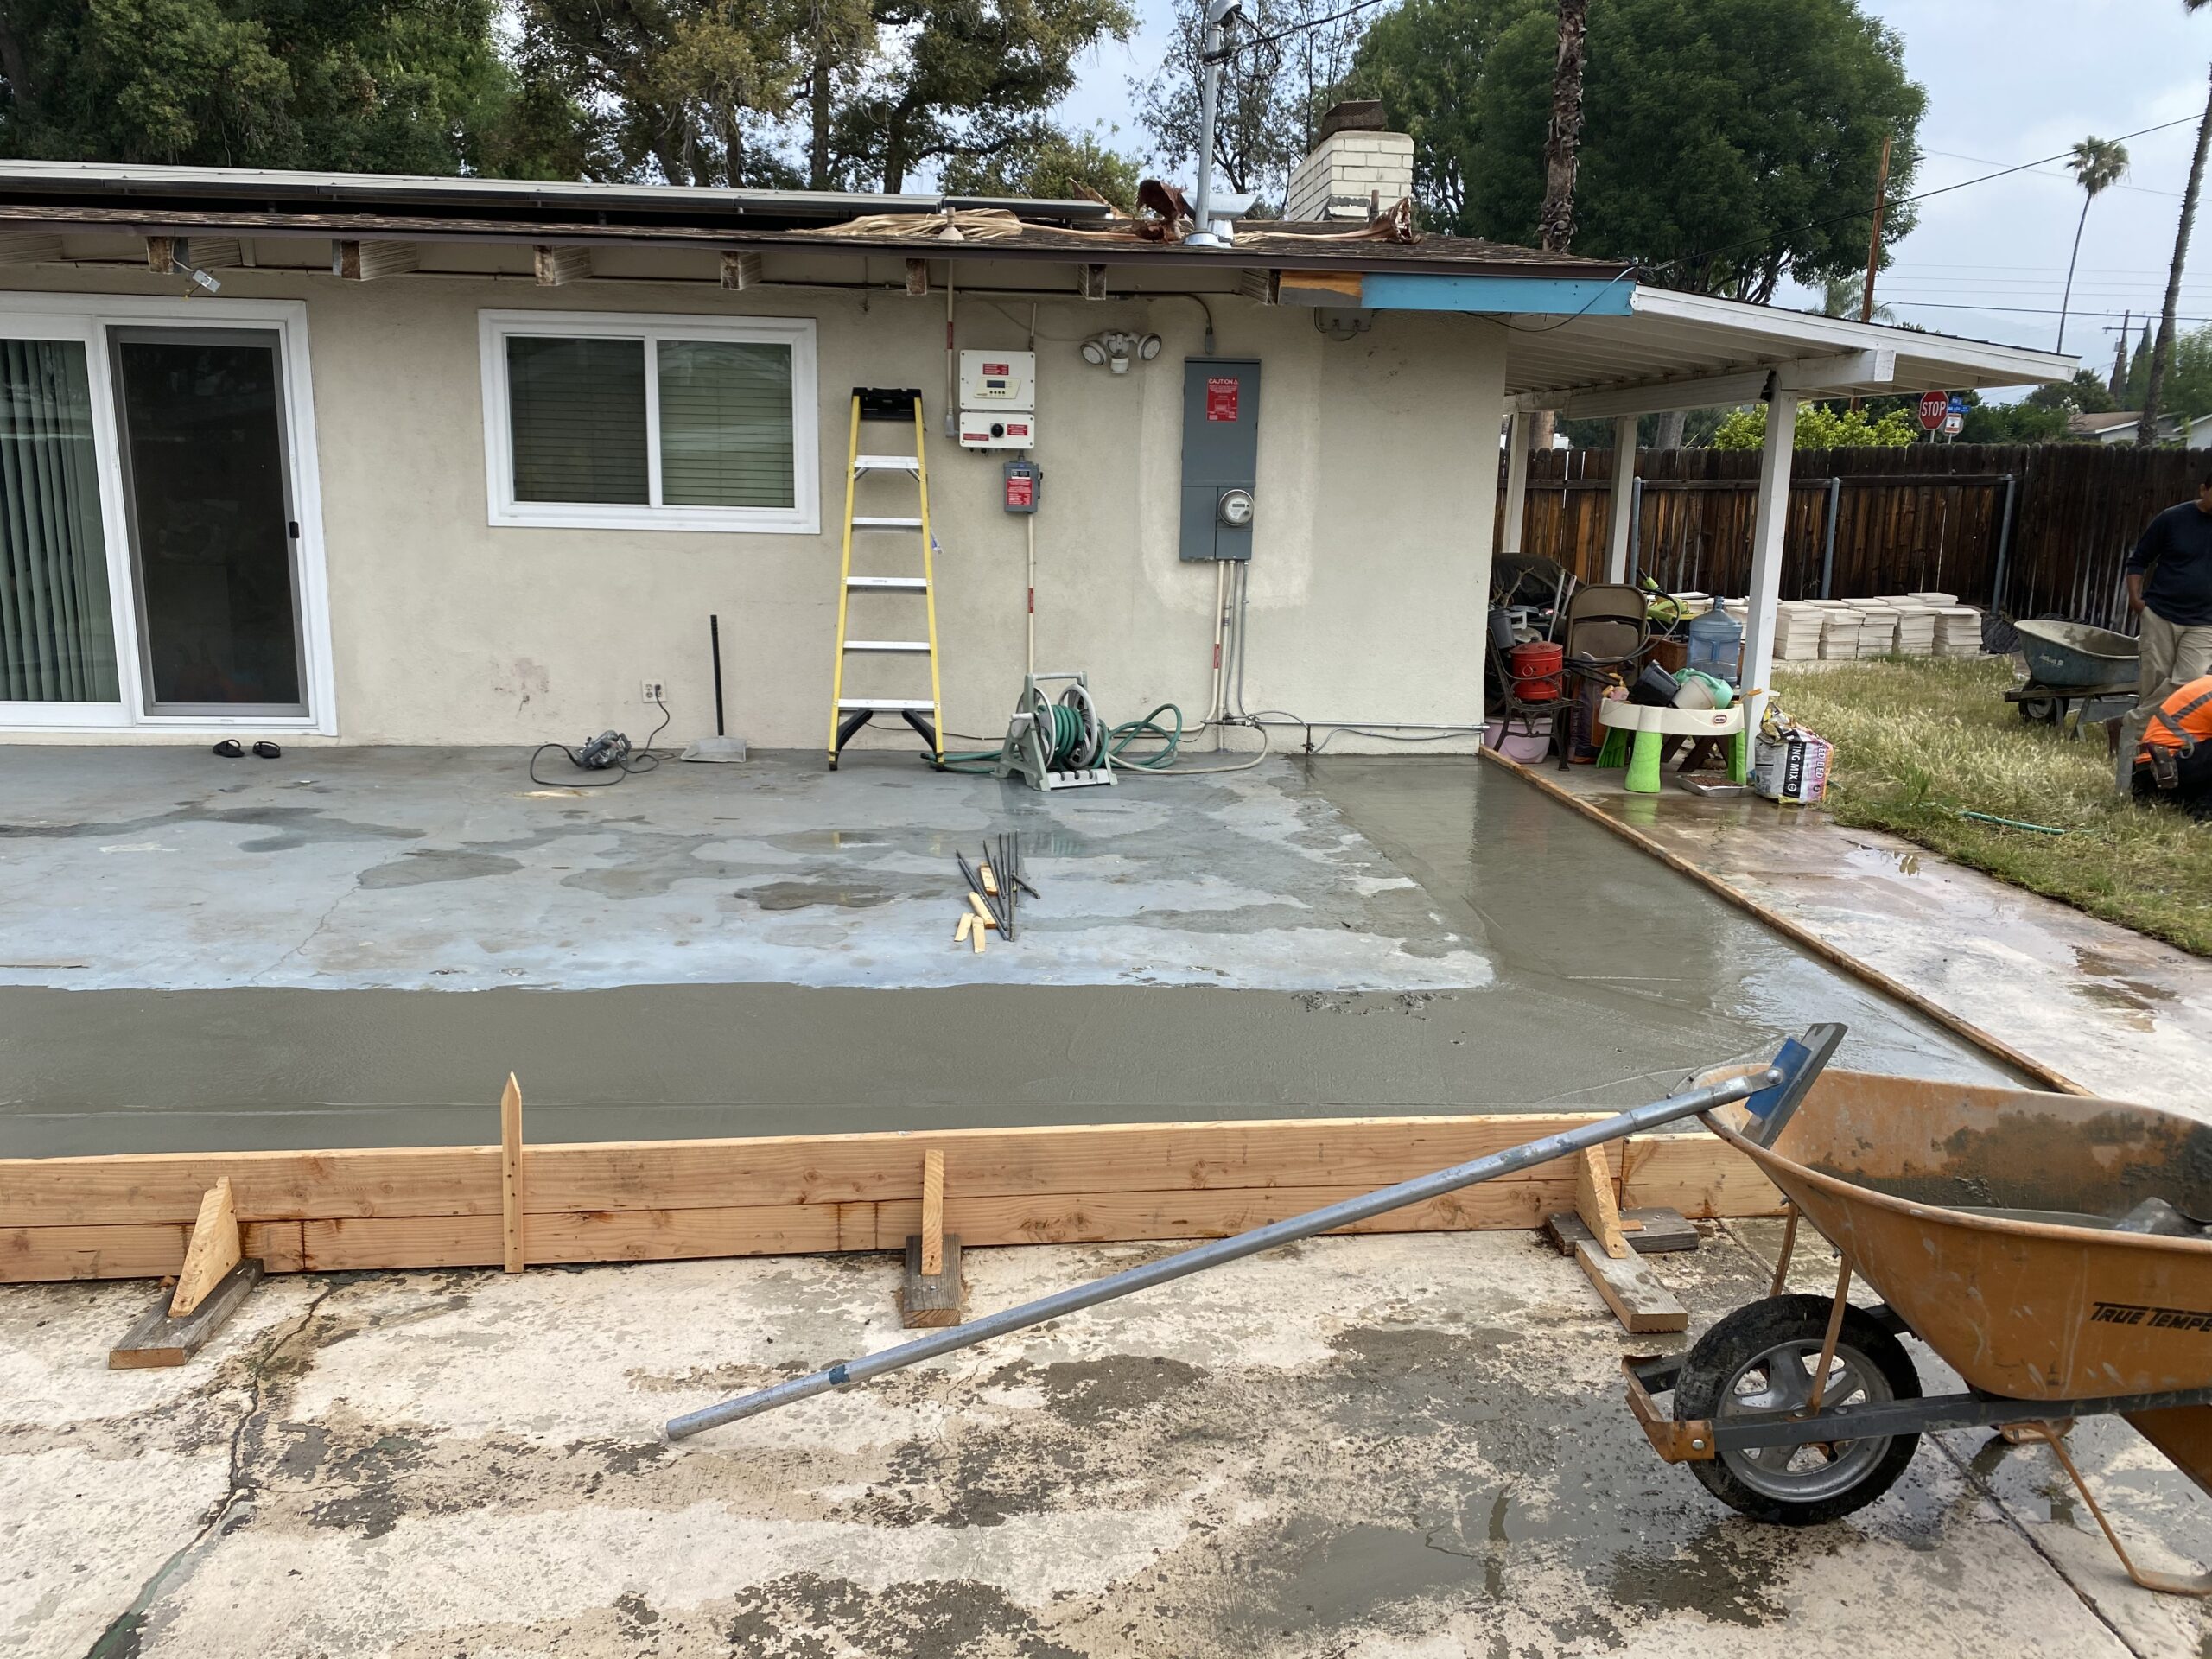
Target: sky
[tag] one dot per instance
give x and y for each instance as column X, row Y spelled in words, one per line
column 2008, row 81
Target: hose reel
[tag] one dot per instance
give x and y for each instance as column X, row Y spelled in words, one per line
column 1056, row 742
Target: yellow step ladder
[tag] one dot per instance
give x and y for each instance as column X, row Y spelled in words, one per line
column 847, row 714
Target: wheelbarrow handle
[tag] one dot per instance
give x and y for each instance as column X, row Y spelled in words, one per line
column 1790, row 1068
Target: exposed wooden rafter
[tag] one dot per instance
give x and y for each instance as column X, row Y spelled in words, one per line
column 918, row 277
column 1094, row 282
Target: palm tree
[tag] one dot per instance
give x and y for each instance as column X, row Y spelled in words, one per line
column 1844, row 296
column 2146, row 429
column 1555, row 220
column 2098, row 164
column 1555, row 223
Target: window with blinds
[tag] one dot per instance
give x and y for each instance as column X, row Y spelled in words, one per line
column 577, row 413
column 651, row 423
column 725, row 423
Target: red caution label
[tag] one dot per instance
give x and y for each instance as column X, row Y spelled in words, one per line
column 1221, row 392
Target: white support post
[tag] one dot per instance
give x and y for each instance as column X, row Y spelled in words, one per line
column 1624, row 522
column 1770, row 524
column 1518, row 434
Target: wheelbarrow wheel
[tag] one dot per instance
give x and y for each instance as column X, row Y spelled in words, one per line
column 1760, row 1360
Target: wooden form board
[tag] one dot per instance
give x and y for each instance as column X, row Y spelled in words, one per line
column 128, row 1217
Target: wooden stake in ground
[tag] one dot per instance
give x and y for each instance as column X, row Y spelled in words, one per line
column 931, row 1292
column 510, row 1171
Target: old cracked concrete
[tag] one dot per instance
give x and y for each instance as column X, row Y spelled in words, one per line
column 1404, row 1446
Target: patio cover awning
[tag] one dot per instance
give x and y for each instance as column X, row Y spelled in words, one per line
column 1666, row 351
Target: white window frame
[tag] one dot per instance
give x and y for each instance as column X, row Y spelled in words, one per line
column 87, row 318
column 802, row 517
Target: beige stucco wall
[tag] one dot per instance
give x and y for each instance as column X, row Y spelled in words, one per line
column 1377, row 481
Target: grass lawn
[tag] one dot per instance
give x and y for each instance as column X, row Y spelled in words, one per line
column 1918, row 740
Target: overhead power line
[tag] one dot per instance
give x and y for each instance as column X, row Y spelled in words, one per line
column 1922, row 195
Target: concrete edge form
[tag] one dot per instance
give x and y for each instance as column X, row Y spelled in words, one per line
column 1797, row 933
column 128, row 1216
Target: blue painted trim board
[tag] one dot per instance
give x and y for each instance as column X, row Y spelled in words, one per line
column 1529, row 296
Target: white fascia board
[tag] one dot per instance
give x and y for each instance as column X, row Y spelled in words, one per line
column 1774, row 334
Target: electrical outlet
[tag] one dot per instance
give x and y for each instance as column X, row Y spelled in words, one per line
column 653, row 691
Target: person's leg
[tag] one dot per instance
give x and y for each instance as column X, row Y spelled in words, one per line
column 2161, row 644
column 2192, row 658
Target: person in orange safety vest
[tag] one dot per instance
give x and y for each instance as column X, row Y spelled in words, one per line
column 2175, row 763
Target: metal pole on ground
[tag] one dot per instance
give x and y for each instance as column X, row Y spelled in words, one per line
column 1770, row 1091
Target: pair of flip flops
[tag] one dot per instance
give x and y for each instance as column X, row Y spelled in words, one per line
column 229, row 748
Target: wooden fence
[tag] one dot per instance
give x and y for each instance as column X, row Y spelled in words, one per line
column 2035, row 530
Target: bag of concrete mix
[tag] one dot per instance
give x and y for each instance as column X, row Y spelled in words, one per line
column 1789, row 762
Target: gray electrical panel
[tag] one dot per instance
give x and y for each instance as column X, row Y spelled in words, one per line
column 1221, row 456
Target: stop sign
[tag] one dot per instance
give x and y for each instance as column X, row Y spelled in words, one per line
column 1934, row 406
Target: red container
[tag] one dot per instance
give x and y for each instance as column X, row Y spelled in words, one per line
column 1536, row 669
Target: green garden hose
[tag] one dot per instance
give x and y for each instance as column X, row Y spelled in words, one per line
column 1076, row 742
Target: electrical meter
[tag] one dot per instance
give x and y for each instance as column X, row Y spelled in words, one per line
column 998, row 400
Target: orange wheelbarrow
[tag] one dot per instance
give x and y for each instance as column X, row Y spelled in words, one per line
column 2044, row 1246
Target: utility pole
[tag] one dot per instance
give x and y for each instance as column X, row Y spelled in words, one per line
column 1874, row 242
column 1874, row 246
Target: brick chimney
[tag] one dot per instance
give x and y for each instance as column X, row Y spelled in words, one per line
column 1356, row 166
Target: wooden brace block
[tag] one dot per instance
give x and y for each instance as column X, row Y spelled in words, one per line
column 967, row 925
column 213, row 1251
column 740, row 270
column 554, row 266
column 160, row 254
column 1639, row 1301
column 363, row 262
column 1094, row 282
column 1595, row 1203
column 928, row 1301
column 161, row 1338
column 975, row 936
column 510, row 1197
column 990, row 882
column 918, row 277
column 1651, row 1232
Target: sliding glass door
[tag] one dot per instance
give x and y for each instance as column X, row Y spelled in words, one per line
column 200, row 414
column 57, row 623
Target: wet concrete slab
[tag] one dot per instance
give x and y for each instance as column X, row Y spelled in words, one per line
column 448, row 870
column 2122, row 1015
column 1385, row 1448
column 1591, row 975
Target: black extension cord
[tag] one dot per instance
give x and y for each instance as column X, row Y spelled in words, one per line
column 609, row 752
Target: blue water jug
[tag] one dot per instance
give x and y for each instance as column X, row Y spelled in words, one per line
column 1716, row 642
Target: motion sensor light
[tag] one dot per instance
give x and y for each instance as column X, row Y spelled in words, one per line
column 1094, row 352
column 1148, row 347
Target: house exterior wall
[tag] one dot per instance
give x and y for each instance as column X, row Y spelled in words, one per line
column 1377, row 481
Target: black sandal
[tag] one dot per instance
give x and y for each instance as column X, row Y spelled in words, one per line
column 229, row 748
column 268, row 751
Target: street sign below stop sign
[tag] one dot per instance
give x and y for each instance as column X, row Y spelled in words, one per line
column 1934, row 406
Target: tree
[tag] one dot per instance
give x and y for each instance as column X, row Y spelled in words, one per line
column 371, row 86
column 1286, row 64
column 964, row 79
column 1058, row 168
column 679, row 88
column 2098, row 164
column 2146, row 429
column 1822, row 426
column 1729, row 142
column 2138, row 371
